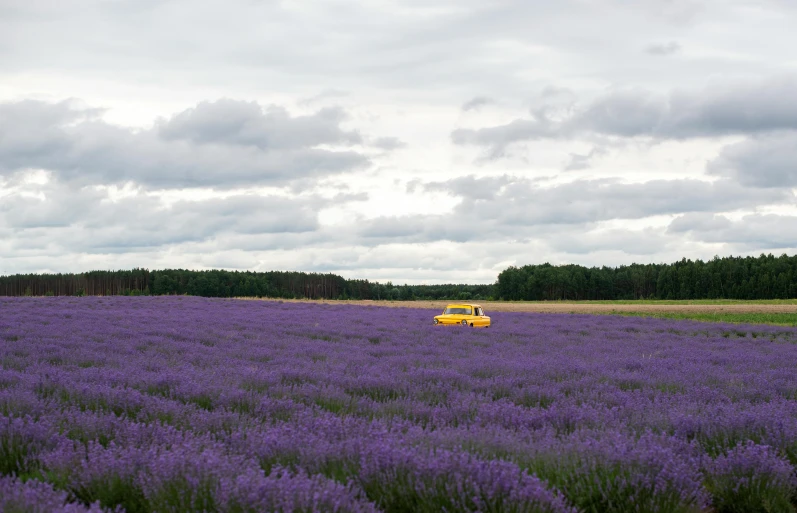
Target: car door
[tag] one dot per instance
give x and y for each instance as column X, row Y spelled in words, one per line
column 480, row 317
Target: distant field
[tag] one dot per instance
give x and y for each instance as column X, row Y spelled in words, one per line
column 775, row 318
column 779, row 312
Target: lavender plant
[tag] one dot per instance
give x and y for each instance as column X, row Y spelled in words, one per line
column 192, row 404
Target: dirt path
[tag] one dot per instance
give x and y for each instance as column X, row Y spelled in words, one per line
column 581, row 307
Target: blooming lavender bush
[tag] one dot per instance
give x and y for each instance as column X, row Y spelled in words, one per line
column 751, row 478
column 192, row 404
column 34, row 496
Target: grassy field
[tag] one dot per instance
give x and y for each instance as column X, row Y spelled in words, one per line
column 717, row 302
column 776, row 312
column 774, row 318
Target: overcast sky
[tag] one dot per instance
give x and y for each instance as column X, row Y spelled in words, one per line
column 417, row 141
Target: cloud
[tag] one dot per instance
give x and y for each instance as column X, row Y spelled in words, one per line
column 476, row 103
column 523, row 202
column 86, row 219
column 328, row 94
column 719, row 110
column 647, row 242
column 635, row 76
column 494, row 208
column 579, row 162
column 388, row 143
column 473, row 188
column 751, row 232
column 767, row 161
column 669, row 48
column 241, row 123
column 220, row 144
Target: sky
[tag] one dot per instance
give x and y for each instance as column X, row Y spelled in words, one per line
column 412, row 141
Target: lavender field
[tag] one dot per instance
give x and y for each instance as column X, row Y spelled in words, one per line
column 175, row 404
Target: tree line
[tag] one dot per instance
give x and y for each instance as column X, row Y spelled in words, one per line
column 221, row 283
column 763, row 277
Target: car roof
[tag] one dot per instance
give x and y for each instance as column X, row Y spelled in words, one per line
column 463, row 304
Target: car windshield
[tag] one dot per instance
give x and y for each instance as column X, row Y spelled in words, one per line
column 458, row 310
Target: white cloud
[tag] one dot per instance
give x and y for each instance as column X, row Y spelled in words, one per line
column 220, row 144
column 364, row 137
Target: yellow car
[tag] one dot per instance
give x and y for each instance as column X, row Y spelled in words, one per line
column 464, row 314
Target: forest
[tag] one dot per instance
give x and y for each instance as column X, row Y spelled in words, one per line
column 221, row 283
column 762, row 277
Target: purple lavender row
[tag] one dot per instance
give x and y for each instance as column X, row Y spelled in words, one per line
column 645, row 414
column 36, row 497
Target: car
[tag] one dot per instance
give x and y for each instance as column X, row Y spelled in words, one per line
column 463, row 314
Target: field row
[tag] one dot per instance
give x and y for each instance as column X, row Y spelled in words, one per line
column 776, row 312
column 190, row 404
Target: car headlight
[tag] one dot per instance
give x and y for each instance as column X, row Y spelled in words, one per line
column 436, row 321
column 464, row 322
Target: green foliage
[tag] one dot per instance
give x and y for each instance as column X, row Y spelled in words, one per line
column 747, row 278
column 753, row 494
column 594, row 486
column 751, row 479
column 180, row 495
column 112, row 491
column 16, row 455
column 779, row 318
column 401, row 490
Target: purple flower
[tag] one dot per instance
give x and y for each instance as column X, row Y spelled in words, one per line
column 751, row 478
column 37, row 497
column 182, row 403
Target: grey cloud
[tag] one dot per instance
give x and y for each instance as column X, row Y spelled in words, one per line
column 29, row 129
column 752, row 232
column 343, row 197
column 580, row 162
column 322, row 96
column 768, row 161
column 393, row 227
column 402, row 58
column 471, row 187
column 388, row 143
column 718, row 110
column 524, row 202
column 85, row 219
column 387, row 44
column 497, row 138
column 645, row 242
column 220, row 145
column 663, row 48
column 505, row 207
column 413, row 185
column 247, row 123
column 699, row 221
column 49, row 207
column 476, row 102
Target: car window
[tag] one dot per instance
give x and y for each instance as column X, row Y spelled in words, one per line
column 459, row 311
